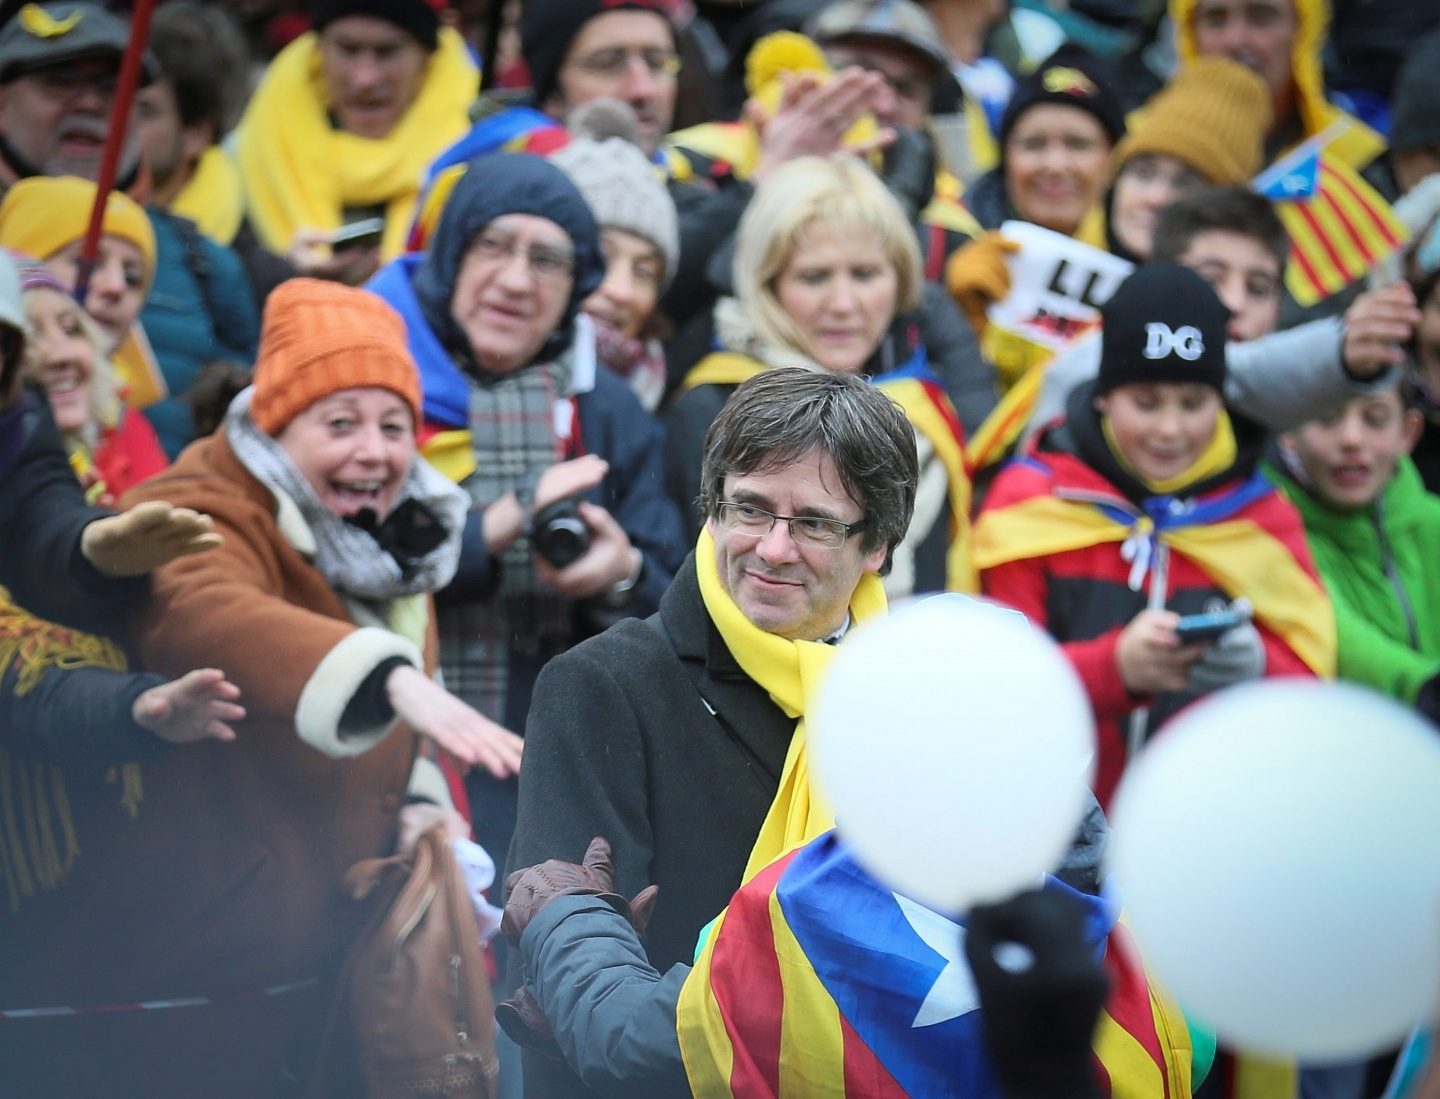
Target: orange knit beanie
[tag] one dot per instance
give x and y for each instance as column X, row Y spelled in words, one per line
column 318, row 338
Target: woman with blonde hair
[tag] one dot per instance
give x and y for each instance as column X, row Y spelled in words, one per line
column 112, row 448
column 826, row 267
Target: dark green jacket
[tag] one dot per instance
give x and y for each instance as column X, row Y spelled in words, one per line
column 1381, row 567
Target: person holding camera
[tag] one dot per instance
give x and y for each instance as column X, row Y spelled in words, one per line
column 570, row 527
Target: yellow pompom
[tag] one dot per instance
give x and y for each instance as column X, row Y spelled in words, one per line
column 781, row 52
column 39, row 22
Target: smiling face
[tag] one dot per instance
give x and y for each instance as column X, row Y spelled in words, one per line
column 1055, row 165
column 117, row 284
column 512, row 289
column 60, row 357
column 797, row 591
column 841, row 292
column 354, row 448
column 1161, row 428
column 1350, row 457
column 627, row 298
column 373, row 71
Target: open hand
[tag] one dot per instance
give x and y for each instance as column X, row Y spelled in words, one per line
column 464, row 732
column 197, row 706
column 145, row 537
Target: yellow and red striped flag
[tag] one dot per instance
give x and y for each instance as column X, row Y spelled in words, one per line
column 1340, row 226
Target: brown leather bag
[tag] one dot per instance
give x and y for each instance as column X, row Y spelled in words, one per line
column 414, row 1000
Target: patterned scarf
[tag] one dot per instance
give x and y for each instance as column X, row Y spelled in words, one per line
column 639, row 362
column 512, row 428
column 422, row 557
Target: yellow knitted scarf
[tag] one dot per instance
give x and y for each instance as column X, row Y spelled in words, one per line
column 790, row 671
column 302, row 173
column 38, row 845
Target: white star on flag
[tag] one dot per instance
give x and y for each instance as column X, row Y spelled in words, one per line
column 953, row 993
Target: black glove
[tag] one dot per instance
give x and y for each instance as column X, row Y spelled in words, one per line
column 1038, row 1013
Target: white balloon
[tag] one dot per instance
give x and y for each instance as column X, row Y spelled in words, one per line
column 1277, row 850
column 956, row 744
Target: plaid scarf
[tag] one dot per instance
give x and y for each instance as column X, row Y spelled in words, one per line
column 639, row 362
column 512, row 425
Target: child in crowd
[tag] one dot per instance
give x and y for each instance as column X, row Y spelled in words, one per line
column 1372, row 528
column 1145, row 504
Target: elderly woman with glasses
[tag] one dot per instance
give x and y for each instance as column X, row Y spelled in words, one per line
column 570, row 527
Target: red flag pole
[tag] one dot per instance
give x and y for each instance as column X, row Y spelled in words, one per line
column 125, row 88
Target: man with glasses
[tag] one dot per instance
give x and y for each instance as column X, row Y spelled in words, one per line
column 58, row 69
column 669, row 735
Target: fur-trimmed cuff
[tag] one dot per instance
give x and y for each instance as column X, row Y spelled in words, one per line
column 334, row 683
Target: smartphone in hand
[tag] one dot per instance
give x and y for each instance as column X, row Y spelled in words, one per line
column 1194, row 628
column 358, row 234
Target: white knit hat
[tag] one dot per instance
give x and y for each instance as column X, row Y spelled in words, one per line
column 622, row 188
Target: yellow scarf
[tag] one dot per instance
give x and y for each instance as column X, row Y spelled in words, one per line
column 790, row 671
column 1241, row 557
column 1218, row 456
column 214, row 196
column 301, row 173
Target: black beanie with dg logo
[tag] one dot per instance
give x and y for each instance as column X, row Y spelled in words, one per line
column 1164, row 324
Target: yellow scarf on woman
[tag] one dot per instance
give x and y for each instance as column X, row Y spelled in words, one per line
column 302, row 173
column 790, row 671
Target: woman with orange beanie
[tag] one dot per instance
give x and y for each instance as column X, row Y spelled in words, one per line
column 318, row 608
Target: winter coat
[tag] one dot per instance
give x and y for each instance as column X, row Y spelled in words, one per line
column 218, row 876
column 200, row 310
column 1086, row 596
column 1379, row 565
column 43, row 513
column 652, row 736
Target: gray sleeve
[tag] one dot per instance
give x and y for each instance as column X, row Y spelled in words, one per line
column 1286, row 378
column 954, row 352
column 612, row 1013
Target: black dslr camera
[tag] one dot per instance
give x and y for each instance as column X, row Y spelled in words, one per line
column 559, row 534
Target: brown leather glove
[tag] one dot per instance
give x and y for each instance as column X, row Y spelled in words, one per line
column 532, row 889
column 520, row 1017
column 977, row 277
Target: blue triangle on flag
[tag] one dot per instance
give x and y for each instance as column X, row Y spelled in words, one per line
column 1291, row 179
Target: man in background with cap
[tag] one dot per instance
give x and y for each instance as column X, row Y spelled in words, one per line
column 316, row 155
column 58, row 68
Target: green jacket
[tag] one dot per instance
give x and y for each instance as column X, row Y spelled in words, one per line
column 1381, row 567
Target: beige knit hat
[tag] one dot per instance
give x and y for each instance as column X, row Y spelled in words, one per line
column 1213, row 115
column 320, row 337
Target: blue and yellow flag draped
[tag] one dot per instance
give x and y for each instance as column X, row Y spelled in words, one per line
column 918, row 392
column 1219, row 533
column 817, row 982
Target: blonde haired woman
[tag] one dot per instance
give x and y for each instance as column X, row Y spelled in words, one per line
column 112, row 447
column 826, row 265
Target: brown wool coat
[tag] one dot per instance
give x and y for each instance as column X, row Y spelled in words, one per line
column 226, row 882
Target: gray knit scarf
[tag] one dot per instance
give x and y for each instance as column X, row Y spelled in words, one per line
column 349, row 558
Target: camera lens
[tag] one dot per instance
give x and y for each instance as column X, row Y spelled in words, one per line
column 559, row 534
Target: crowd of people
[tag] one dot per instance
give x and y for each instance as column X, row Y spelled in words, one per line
column 483, row 418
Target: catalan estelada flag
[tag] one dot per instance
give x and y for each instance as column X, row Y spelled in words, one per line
column 1340, row 226
column 819, row 983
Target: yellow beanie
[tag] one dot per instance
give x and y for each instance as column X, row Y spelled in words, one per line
column 1213, row 115
column 43, row 214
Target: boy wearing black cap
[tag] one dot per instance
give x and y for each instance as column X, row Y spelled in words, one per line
column 1145, row 505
